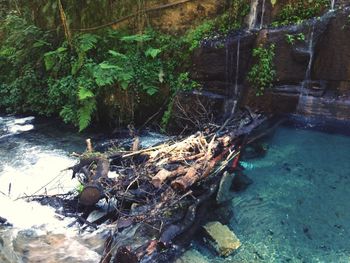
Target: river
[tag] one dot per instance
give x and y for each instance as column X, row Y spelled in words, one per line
column 33, row 154
column 296, row 210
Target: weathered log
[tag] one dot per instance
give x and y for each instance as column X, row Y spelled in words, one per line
column 175, row 230
column 93, row 191
column 184, row 182
column 164, row 175
column 89, row 148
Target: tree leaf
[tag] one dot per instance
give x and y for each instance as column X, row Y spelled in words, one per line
column 136, row 38
column 150, row 90
column 84, row 93
column 152, row 52
column 117, row 54
column 106, row 65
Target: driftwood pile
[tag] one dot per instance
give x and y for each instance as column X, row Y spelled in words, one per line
column 159, row 196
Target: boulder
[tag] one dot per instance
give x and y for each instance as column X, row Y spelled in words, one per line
column 314, row 68
column 192, row 256
column 224, row 193
column 329, row 107
column 221, row 238
column 215, row 63
column 332, row 53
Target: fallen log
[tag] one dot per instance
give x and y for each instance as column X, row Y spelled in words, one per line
column 93, row 189
column 164, row 175
column 184, row 182
column 165, row 187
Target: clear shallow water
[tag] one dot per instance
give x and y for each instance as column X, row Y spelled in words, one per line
column 298, row 208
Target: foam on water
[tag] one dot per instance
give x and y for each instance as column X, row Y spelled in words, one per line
column 31, row 162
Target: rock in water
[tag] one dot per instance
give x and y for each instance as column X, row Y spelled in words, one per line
column 241, row 182
column 192, row 256
column 221, row 238
column 224, row 194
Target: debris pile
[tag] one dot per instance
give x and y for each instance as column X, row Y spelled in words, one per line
column 158, row 197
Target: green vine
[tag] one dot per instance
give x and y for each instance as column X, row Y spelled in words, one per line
column 297, row 11
column 262, row 73
column 293, row 38
column 230, row 20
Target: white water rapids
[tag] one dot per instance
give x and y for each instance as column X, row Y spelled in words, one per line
column 31, row 162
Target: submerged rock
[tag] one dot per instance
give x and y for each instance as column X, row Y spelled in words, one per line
column 224, row 193
column 4, row 222
column 241, row 182
column 221, row 238
column 192, row 256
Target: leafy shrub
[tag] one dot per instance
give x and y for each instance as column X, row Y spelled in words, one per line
column 292, row 38
column 262, row 74
column 297, row 11
column 112, row 71
column 230, row 20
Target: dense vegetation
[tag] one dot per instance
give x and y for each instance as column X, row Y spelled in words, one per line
column 111, row 76
column 114, row 69
column 297, row 11
column 263, row 72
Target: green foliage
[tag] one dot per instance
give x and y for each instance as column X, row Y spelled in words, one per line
column 80, row 188
column 297, row 11
column 167, row 115
column 109, row 72
column 195, row 36
column 52, row 57
column 21, row 53
column 231, row 20
column 292, row 38
column 185, row 83
column 262, row 74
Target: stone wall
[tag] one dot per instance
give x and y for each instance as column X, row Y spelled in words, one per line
column 325, row 51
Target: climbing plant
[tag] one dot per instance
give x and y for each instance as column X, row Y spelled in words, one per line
column 297, row 11
column 293, row 38
column 262, row 73
column 230, row 20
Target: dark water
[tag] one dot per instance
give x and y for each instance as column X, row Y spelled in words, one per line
column 298, row 208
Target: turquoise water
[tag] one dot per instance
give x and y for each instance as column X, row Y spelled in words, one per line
column 298, row 207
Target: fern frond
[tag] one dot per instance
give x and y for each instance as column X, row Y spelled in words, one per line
column 85, row 113
column 87, row 42
column 52, row 57
column 152, row 52
column 117, row 54
column 136, row 38
column 85, row 93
